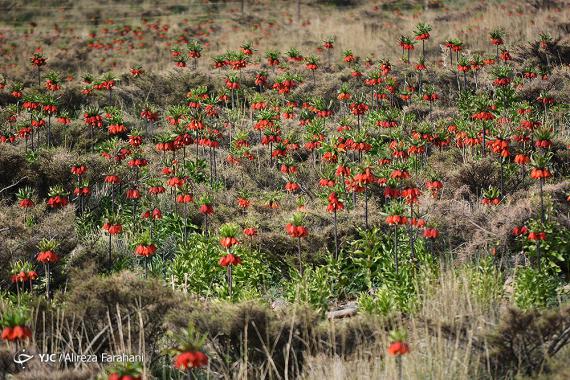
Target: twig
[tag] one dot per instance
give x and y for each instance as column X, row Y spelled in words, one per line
column 481, row 228
column 12, row 185
column 559, row 342
column 343, row 313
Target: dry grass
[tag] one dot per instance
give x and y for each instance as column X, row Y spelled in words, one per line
column 456, row 335
column 444, row 336
column 273, row 25
column 447, row 332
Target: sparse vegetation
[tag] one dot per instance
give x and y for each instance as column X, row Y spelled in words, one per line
column 225, row 190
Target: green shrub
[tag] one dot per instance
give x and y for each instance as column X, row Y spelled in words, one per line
column 535, row 288
column 382, row 302
column 366, row 266
column 196, row 269
column 554, row 252
column 314, row 287
column 485, row 281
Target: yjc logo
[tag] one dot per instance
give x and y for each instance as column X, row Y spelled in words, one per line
column 22, row 358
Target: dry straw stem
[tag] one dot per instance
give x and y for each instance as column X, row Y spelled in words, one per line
column 444, row 336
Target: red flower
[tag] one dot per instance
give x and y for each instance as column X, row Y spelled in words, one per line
column 490, row 201
column 292, row 186
column 175, row 182
column 191, row 359
column 483, row 115
column 431, row 233
column 116, row 129
column 46, row 257
column 230, row 259
column 156, row 214
column 243, row 203
column 135, row 140
column 250, row 231
column 390, row 192
column 113, row 179
column 16, row 333
column 206, row 209
column 342, row 171
column 334, row 203
column 545, row 144
column 25, row 203
column 78, row 169
column 463, row 68
column 285, row 169
column 57, row 201
column 501, row 82
column 399, row 174
column 423, row 36
column 155, row 190
column 228, row 242
column 358, row 108
column 537, row 236
column 138, row 162
column 538, row 173
column 396, row 220
column 145, row 250
column 505, row 55
column 411, row 194
column 21, row 332
column 113, row 229
column 517, row 231
column 7, row 334
column 136, row 71
column 184, row 198
column 133, row 194
column 497, row 41
column 296, row 231
column 522, row 159
column 19, row 277
column 434, row 186
column 365, row 178
column 398, row 348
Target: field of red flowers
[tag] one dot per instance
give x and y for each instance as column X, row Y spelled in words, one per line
column 257, row 189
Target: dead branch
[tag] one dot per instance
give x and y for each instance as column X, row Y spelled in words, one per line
column 12, row 185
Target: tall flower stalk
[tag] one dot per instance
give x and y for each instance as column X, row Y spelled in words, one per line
column 228, row 240
column 47, row 256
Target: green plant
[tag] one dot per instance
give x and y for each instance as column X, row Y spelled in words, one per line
column 366, row 262
column 535, row 288
column 196, row 269
column 314, row 287
column 127, row 370
column 17, row 316
column 382, row 302
column 485, row 281
column 555, row 256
